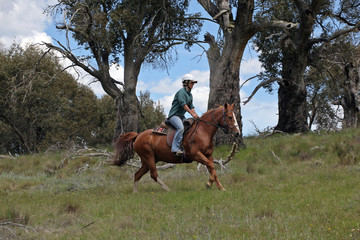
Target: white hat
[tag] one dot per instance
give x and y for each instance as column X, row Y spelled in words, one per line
column 188, row 77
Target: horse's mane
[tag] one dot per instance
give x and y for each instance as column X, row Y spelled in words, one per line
column 210, row 110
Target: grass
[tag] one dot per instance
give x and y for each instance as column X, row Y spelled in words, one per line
column 281, row 187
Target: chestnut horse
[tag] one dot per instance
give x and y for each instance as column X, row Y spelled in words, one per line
column 198, row 145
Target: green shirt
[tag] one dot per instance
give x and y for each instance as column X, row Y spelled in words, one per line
column 182, row 98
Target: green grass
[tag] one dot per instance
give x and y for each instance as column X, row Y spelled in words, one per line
column 280, row 187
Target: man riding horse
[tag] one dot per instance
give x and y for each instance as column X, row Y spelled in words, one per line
column 182, row 103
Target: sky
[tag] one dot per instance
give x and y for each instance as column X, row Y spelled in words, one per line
column 24, row 22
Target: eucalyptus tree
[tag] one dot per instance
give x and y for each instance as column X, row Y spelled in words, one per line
column 129, row 32
column 225, row 56
column 338, row 70
column 41, row 105
column 286, row 55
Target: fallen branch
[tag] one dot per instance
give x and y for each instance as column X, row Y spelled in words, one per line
column 275, row 156
column 274, row 132
column 6, row 157
column 162, row 167
column 16, row 225
column 222, row 162
column 232, row 153
column 87, row 225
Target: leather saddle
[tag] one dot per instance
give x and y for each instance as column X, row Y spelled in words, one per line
column 166, row 128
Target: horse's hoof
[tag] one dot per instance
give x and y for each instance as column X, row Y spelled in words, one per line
column 222, row 189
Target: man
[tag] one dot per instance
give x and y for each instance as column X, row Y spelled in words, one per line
column 182, row 103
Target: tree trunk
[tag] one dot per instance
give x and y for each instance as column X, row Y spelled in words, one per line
column 292, row 104
column 292, row 109
column 224, row 80
column 127, row 114
column 127, row 103
column 351, row 99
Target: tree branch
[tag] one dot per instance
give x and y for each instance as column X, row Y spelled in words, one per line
column 261, row 85
column 335, row 34
column 248, row 80
column 209, row 7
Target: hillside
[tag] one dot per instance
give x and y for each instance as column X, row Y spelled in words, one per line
column 279, row 187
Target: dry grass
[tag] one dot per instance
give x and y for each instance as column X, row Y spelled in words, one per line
column 282, row 187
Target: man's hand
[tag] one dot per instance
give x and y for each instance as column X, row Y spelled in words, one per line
column 194, row 115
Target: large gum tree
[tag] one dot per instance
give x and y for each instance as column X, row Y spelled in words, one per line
column 237, row 24
column 287, row 55
column 129, row 32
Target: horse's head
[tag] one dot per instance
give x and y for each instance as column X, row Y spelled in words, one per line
column 229, row 118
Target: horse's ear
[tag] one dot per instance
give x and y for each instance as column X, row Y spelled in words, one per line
column 226, row 105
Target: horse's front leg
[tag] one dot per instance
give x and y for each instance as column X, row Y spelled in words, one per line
column 209, row 163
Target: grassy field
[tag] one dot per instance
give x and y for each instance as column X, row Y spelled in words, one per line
column 280, row 187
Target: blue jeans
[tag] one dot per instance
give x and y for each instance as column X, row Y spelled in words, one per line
column 178, row 124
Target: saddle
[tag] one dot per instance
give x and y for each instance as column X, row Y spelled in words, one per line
column 166, row 128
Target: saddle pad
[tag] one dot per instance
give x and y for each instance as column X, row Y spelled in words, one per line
column 160, row 130
column 170, row 132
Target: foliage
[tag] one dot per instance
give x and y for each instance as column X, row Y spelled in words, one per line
column 281, row 187
column 140, row 31
column 107, row 118
column 152, row 113
column 40, row 104
column 335, row 84
column 318, row 23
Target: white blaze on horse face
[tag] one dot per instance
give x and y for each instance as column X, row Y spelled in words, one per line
column 236, row 123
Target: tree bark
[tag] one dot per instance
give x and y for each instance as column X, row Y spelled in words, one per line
column 225, row 62
column 292, row 109
column 351, row 99
column 225, row 65
column 224, row 81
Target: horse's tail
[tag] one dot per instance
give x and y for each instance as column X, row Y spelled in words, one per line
column 124, row 148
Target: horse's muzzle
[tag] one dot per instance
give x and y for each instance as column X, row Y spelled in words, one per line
column 237, row 134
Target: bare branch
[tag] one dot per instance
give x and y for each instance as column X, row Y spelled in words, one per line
column 232, row 153
column 219, row 14
column 248, row 80
column 261, row 85
column 335, row 34
column 275, row 24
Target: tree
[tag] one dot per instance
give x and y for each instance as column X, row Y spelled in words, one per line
column 225, row 56
column 338, row 70
column 107, row 120
column 287, row 55
column 40, row 105
column 152, row 114
column 142, row 31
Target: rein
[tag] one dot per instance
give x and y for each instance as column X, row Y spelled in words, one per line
column 216, row 124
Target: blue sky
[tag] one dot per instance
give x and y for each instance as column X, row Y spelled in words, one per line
column 23, row 21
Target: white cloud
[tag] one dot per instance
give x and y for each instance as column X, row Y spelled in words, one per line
column 262, row 113
column 250, row 66
column 23, row 22
column 117, row 72
column 22, row 19
column 37, row 37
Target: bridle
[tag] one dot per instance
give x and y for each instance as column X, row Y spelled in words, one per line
column 225, row 127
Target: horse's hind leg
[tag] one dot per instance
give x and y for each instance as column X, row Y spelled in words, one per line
column 154, row 175
column 143, row 170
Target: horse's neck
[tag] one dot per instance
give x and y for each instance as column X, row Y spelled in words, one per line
column 210, row 122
